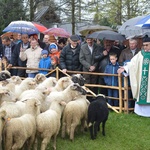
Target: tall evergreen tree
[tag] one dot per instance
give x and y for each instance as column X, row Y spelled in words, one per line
column 11, row 10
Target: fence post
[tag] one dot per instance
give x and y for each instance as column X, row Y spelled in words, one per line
column 120, row 92
column 126, row 99
column 0, row 64
column 57, row 73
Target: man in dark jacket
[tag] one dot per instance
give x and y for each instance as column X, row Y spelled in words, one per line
column 16, row 61
column 87, row 58
column 69, row 57
column 7, row 51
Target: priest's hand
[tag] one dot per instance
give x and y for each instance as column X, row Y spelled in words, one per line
column 120, row 70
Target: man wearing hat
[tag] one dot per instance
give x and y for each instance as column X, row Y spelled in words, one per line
column 87, row 58
column 69, row 57
column 139, row 72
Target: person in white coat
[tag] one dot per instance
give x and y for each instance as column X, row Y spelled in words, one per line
column 139, row 72
column 33, row 56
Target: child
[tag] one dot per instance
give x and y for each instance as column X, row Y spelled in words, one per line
column 54, row 54
column 112, row 68
column 45, row 62
column 4, row 62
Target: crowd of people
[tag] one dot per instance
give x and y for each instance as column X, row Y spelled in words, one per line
column 73, row 54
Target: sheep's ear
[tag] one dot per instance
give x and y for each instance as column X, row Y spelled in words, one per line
column 74, row 86
column 63, row 103
column 2, row 91
column 87, row 102
column 37, row 103
column 54, row 82
column 3, row 114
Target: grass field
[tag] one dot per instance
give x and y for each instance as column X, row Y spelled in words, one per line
column 123, row 132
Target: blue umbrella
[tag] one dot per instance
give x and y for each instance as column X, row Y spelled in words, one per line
column 23, row 27
column 144, row 23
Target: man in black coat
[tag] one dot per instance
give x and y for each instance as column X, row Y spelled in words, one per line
column 16, row 61
column 69, row 57
column 7, row 51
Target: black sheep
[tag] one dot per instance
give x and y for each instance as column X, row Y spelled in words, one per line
column 78, row 78
column 4, row 75
column 97, row 113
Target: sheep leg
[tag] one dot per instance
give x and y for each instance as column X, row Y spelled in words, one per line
column 35, row 144
column 31, row 141
column 96, row 126
column 8, row 141
column 18, row 144
column 73, row 126
column 45, row 142
column 83, row 125
column 63, row 132
column 54, row 141
column 91, row 132
column 103, row 127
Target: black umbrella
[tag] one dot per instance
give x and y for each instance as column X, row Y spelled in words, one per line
column 107, row 34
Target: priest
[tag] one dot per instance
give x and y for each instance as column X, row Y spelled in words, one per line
column 139, row 72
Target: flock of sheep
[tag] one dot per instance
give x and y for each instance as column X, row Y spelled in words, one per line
column 42, row 107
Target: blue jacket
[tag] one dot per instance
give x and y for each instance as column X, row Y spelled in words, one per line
column 111, row 69
column 46, row 64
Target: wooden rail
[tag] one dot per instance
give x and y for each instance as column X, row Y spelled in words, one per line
column 122, row 90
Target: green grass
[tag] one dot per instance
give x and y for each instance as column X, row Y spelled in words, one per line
column 123, row 132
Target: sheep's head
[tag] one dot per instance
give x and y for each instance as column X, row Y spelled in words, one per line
column 78, row 78
column 29, row 83
column 32, row 106
column 39, row 78
column 64, row 82
column 77, row 87
column 4, row 75
column 7, row 95
column 15, row 79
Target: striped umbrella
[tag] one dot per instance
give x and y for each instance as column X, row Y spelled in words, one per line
column 144, row 23
column 23, row 27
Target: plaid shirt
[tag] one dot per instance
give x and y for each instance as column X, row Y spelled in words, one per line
column 8, row 52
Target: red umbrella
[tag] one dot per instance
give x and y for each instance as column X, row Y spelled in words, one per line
column 60, row 32
column 39, row 26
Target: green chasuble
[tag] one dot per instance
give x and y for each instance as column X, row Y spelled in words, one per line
column 144, row 79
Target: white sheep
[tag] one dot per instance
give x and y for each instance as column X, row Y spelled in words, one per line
column 39, row 93
column 48, row 124
column 70, row 93
column 19, row 130
column 49, row 82
column 26, row 84
column 6, row 95
column 14, row 79
column 39, row 78
column 18, row 108
column 75, row 113
column 2, row 123
column 62, row 84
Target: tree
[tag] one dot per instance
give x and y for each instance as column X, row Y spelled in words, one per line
column 11, row 10
column 115, row 12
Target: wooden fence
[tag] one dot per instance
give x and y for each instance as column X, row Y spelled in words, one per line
column 123, row 88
